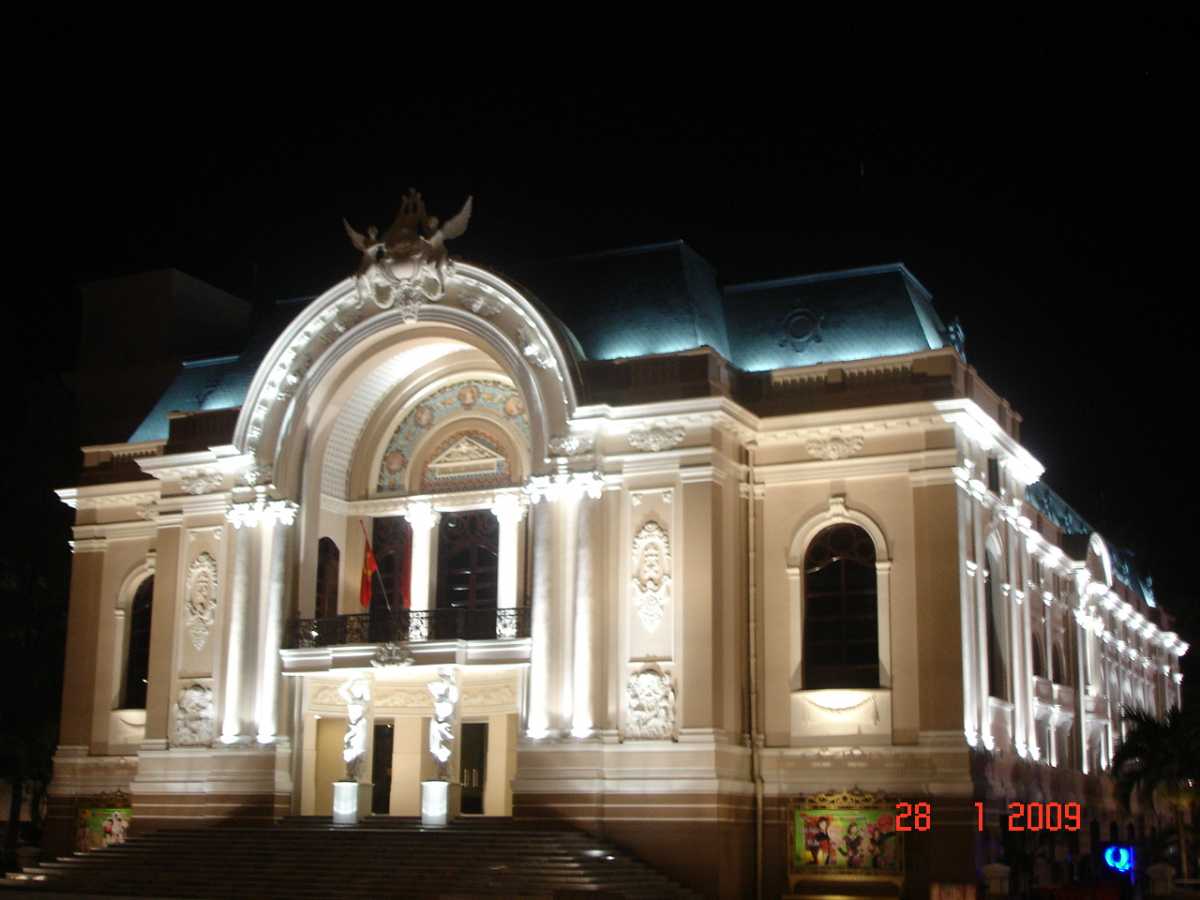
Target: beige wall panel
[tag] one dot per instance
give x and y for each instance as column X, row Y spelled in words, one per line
column 79, row 675
column 938, row 614
column 501, row 764
column 193, row 662
column 697, row 677
column 408, row 748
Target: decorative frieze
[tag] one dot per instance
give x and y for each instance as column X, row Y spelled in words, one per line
column 649, row 705
column 571, row 444
column 201, row 603
column 651, row 574
column 195, row 716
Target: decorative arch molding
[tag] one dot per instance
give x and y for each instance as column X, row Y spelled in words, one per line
column 838, row 513
column 1099, row 561
column 491, row 314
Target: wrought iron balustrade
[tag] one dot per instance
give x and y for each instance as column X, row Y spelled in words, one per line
column 408, row 626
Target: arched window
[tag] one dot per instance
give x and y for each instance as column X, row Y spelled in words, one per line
column 1039, row 660
column 996, row 632
column 328, row 566
column 841, row 610
column 137, row 661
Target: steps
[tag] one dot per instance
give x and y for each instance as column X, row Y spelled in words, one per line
column 384, row 856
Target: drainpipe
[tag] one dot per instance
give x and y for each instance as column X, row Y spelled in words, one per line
column 752, row 641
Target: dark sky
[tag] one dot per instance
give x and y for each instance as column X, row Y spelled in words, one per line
column 1053, row 211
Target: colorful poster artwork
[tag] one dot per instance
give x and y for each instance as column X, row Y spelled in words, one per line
column 102, row 827
column 838, row 840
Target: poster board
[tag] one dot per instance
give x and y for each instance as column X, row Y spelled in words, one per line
column 846, row 836
column 102, row 821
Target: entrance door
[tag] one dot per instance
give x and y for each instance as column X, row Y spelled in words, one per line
column 468, row 575
column 381, row 770
column 474, row 766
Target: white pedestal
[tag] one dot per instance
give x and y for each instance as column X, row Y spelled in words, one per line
column 435, row 802
column 345, row 802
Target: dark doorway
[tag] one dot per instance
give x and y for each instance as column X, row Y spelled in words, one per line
column 381, row 770
column 474, row 766
column 468, row 562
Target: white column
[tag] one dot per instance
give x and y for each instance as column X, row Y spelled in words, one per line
column 275, row 544
column 1081, row 716
column 537, row 723
column 508, row 509
column 423, row 519
column 981, row 626
column 235, row 643
column 581, row 709
column 966, row 588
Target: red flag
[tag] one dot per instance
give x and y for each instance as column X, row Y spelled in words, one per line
column 369, row 568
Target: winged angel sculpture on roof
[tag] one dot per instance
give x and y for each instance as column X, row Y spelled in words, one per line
column 409, row 264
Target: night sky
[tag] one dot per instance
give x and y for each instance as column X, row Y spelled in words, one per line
column 1053, row 212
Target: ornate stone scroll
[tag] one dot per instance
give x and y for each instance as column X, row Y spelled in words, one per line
column 649, row 705
column 651, row 574
column 201, row 604
column 835, row 446
column 195, row 716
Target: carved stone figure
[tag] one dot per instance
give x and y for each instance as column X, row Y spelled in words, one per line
column 441, row 729
column 391, row 653
column 357, row 695
column 195, row 716
column 201, row 604
column 409, row 265
column 651, row 574
column 650, row 705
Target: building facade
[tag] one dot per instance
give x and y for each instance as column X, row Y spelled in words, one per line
column 691, row 552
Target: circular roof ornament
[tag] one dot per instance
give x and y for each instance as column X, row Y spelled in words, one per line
column 801, row 327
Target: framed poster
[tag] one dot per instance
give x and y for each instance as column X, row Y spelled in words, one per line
column 103, row 822
column 846, row 835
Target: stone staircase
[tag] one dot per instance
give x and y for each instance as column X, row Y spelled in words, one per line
column 381, row 857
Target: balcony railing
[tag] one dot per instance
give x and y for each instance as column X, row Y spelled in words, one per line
column 409, row 626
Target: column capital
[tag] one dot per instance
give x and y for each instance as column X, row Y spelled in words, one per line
column 420, row 514
column 509, row 509
column 260, row 509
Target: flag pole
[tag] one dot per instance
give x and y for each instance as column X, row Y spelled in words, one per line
column 375, row 569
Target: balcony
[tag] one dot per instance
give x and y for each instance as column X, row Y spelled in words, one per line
column 409, row 627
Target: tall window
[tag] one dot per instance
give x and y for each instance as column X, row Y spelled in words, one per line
column 137, row 662
column 328, row 564
column 996, row 633
column 841, row 610
column 468, row 572
column 1039, row 660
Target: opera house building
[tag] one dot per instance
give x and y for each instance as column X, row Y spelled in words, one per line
column 726, row 574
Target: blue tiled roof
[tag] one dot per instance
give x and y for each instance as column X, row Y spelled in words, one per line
column 1056, row 509
column 832, row 317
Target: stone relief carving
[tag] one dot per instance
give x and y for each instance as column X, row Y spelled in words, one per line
column 489, row 695
column 651, row 574
column 571, row 444
column 195, row 716
column 201, row 604
column 402, row 698
column 649, row 705
column 835, row 446
column 656, row 437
